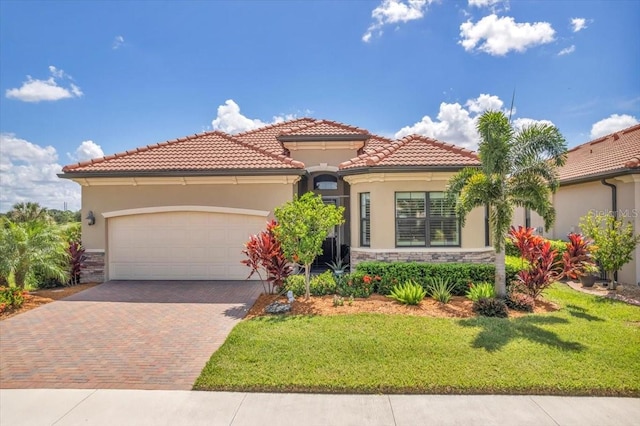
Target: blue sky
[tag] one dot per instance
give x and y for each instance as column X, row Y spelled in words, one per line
column 79, row 79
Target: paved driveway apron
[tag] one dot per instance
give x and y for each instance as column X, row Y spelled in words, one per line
column 123, row 334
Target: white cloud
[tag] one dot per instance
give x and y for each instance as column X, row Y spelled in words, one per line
column 456, row 124
column 231, row 120
column 520, row 123
column 394, row 12
column 118, row 41
column 611, row 124
column 567, row 50
column 578, row 24
column 86, row 151
column 499, row 36
column 28, row 173
column 34, row 90
column 486, row 3
column 484, row 102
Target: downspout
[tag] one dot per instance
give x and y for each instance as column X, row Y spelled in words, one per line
column 486, row 225
column 614, row 208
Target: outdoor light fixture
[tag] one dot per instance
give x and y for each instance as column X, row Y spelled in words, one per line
column 91, row 219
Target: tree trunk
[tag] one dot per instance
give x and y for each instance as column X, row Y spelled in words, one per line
column 307, row 274
column 501, row 279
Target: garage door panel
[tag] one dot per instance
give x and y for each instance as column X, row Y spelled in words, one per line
column 180, row 245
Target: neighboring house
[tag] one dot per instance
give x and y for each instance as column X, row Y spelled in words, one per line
column 602, row 176
column 183, row 209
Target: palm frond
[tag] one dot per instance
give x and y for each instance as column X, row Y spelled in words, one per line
column 496, row 134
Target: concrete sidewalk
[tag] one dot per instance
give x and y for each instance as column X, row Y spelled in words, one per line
column 138, row 407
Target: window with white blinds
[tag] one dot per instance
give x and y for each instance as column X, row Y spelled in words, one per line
column 425, row 219
column 365, row 219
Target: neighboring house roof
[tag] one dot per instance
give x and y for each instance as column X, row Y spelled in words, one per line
column 415, row 151
column 200, row 152
column 263, row 149
column 617, row 153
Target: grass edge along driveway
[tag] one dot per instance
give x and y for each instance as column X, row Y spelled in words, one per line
column 591, row 346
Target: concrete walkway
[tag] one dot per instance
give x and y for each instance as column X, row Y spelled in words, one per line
column 136, row 407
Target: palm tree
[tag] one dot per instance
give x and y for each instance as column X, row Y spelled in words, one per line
column 27, row 248
column 518, row 169
column 27, row 212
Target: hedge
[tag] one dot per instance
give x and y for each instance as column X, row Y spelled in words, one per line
column 459, row 274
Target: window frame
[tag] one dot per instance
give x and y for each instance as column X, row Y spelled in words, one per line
column 365, row 218
column 429, row 219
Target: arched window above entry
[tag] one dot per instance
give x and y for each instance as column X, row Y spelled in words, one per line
column 325, row 182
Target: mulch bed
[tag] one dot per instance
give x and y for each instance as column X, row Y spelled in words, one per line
column 459, row 307
column 41, row 297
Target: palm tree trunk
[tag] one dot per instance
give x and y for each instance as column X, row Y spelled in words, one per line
column 501, row 279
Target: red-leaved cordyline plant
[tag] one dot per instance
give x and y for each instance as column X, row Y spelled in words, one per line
column 263, row 251
column 76, row 262
column 544, row 269
column 577, row 257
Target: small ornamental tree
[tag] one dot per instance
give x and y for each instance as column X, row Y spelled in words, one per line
column 264, row 252
column 615, row 241
column 303, row 225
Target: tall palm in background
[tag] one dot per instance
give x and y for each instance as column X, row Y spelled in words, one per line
column 518, row 169
column 27, row 212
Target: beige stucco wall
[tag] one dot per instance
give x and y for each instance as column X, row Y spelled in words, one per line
column 315, row 157
column 103, row 199
column 382, row 210
column 574, row 201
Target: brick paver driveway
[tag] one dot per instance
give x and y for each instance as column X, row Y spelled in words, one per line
column 123, row 334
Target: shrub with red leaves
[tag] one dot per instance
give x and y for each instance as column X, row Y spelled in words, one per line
column 264, row 252
column 577, row 257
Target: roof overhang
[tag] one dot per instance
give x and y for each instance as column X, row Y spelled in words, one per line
column 599, row 176
column 323, row 138
column 229, row 177
column 400, row 169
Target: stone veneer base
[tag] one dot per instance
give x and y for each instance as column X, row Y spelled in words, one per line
column 93, row 270
column 431, row 255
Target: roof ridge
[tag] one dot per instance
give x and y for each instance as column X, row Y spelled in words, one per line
column 149, row 147
column 271, row 126
column 605, row 137
column 317, row 122
column 285, row 159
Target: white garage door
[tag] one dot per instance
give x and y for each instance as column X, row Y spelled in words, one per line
column 180, row 245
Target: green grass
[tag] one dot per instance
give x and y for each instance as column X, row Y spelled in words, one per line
column 589, row 347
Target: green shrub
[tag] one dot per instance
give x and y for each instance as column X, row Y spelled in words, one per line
column 357, row 284
column 513, row 265
column 319, row 285
column 490, row 307
column 409, row 293
column 481, row 290
column 440, row 289
column 458, row 274
column 520, row 301
column 11, row 298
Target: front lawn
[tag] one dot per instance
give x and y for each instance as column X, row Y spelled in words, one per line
column 591, row 346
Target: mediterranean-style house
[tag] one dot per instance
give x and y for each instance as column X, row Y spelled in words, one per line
column 183, row 209
column 602, row 176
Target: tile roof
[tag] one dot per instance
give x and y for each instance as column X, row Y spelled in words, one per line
column 265, row 137
column 323, row 128
column 619, row 151
column 375, row 142
column 414, row 150
column 204, row 151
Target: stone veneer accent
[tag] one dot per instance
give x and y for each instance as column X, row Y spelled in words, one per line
column 93, row 270
column 431, row 255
